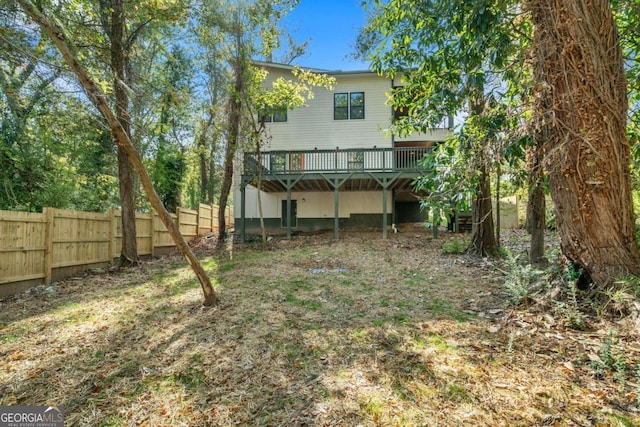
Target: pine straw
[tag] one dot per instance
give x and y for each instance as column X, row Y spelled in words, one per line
column 402, row 336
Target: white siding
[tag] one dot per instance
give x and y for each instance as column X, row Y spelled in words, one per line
column 313, row 126
column 313, row 204
column 435, row 135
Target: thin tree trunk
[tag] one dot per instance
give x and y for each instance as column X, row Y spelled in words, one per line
column 234, row 109
column 99, row 100
column 204, row 161
column 259, row 185
column 126, row 182
column 536, row 202
column 204, row 176
column 579, row 67
column 211, row 187
column 498, row 177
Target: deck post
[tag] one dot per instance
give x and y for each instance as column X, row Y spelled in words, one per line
column 384, row 210
column 288, row 209
column 243, row 213
column 336, row 210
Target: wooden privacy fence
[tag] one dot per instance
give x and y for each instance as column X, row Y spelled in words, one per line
column 38, row 248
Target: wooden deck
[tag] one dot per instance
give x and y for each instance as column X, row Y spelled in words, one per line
column 321, row 170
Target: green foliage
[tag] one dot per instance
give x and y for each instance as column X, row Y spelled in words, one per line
column 443, row 52
column 286, row 94
column 612, row 358
column 448, row 179
column 169, row 170
column 522, row 280
column 570, row 308
column 174, row 92
column 62, row 154
column 618, row 300
column 447, row 58
column 454, row 246
column 63, row 157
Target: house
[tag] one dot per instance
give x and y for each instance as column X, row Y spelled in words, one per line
column 333, row 164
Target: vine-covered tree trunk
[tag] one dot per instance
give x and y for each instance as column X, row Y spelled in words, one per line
column 483, row 237
column 579, row 69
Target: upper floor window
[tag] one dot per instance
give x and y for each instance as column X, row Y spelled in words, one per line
column 348, row 105
column 280, row 116
column 276, row 116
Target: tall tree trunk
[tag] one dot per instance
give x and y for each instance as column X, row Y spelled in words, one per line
column 580, row 68
column 98, row 98
column 211, row 187
column 536, row 203
column 204, row 170
column 498, row 178
column 234, row 108
column 259, row 186
column 204, row 162
column 115, row 28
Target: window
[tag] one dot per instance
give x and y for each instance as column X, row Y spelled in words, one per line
column 357, row 105
column 280, row 116
column 340, row 106
column 264, row 118
column 276, row 116
column 348, row 106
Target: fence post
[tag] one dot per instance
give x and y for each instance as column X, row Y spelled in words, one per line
column 198, row 221
column 152, row 239
column 48, row 252
column 214, row 224
column 178, row 219
column 111, row 214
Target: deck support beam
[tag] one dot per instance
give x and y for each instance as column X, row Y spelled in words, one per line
column 243, row 211
column 289, row 184
column 336, row 183
column 384, row 213
column 288, row 209
column 336, row 212
column 385, row 183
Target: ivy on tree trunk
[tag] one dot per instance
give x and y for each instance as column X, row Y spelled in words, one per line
column 579, row 71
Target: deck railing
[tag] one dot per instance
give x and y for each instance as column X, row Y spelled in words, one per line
column 336, row 161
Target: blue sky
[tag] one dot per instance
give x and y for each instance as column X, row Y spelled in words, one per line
column 331, row 26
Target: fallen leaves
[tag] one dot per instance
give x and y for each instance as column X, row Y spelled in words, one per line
column 408, row 338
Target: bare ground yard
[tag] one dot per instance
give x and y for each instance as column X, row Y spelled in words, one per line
column 314, row 332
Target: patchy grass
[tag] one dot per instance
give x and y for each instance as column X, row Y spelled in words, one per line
column 311, row 332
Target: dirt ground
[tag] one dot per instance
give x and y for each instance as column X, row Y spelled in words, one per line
column 317, row 332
